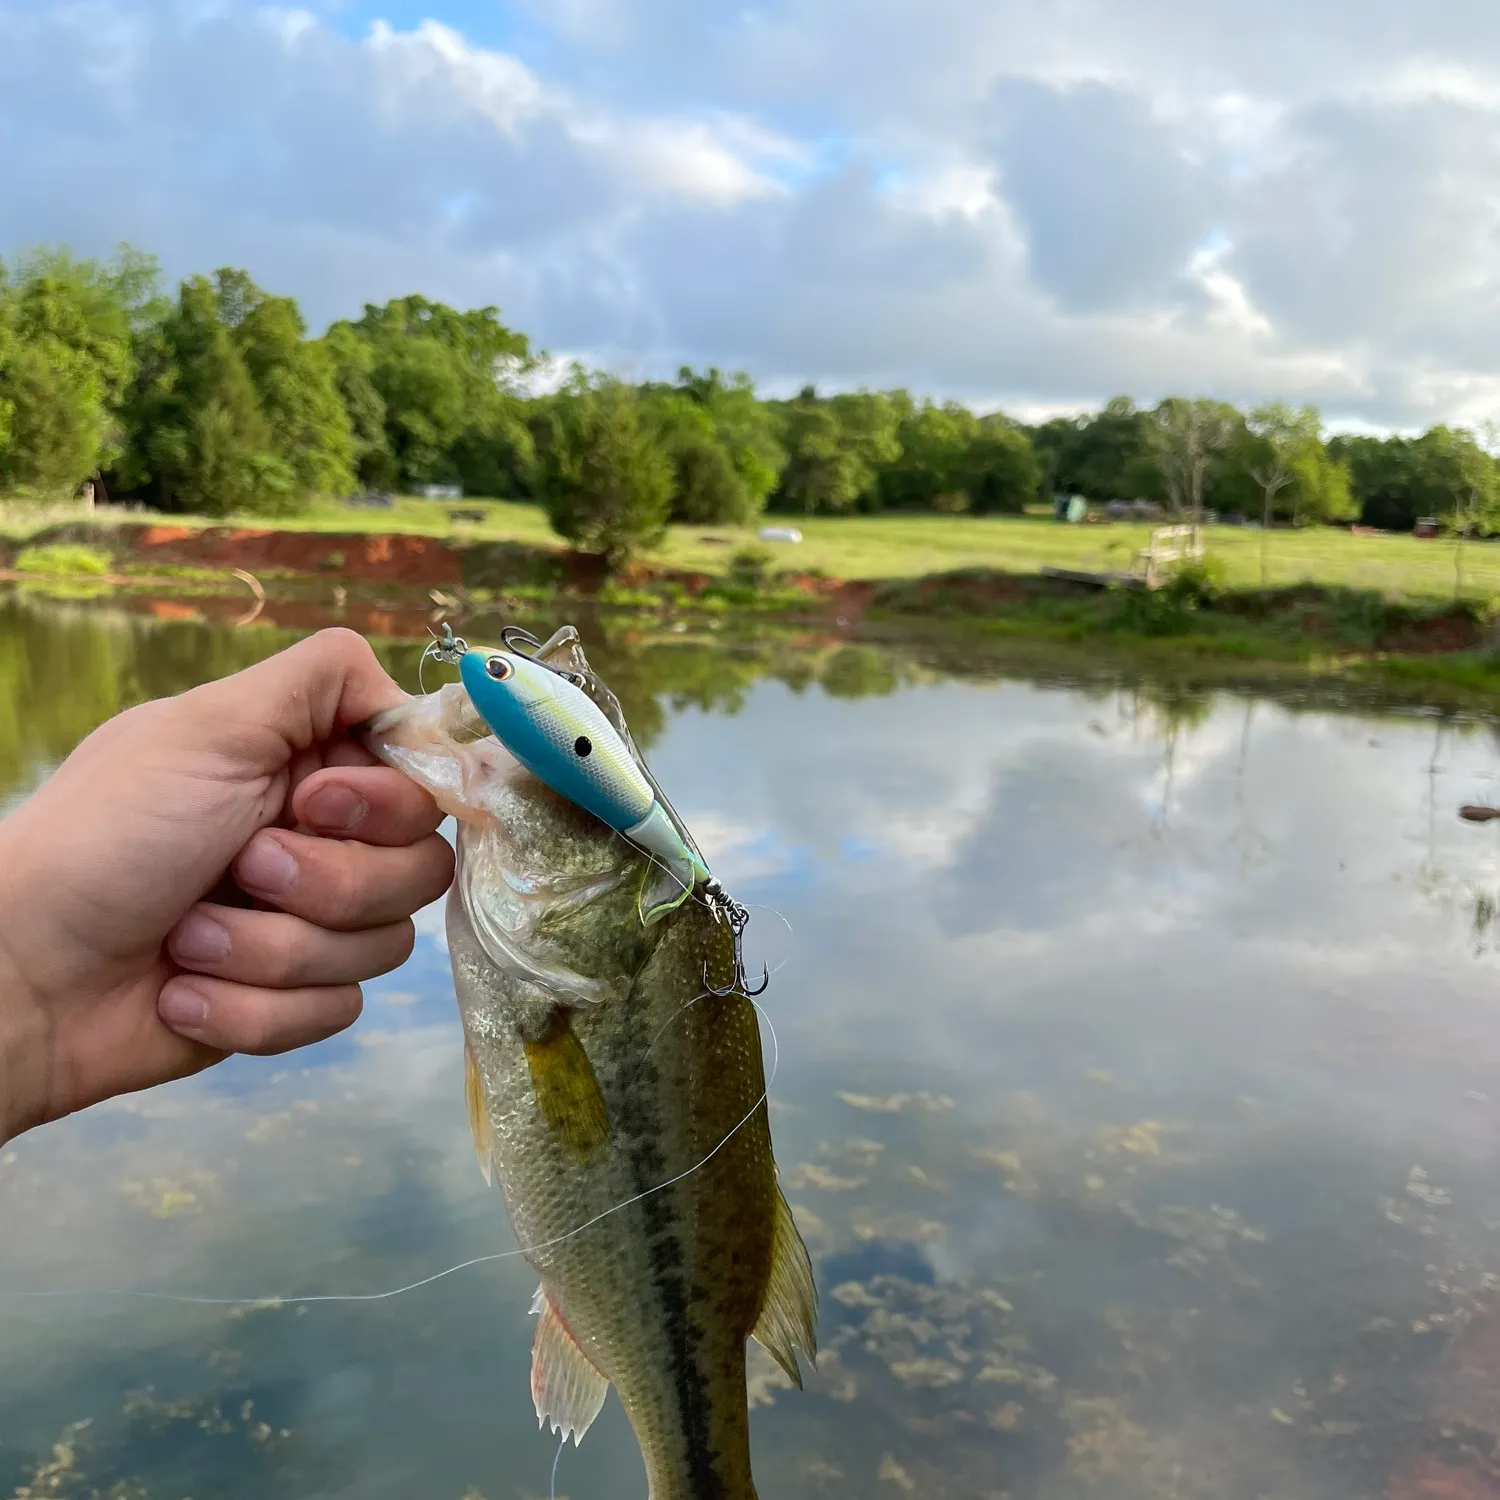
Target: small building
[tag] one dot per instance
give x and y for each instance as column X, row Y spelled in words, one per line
column 441, row 492
column 1426, row 526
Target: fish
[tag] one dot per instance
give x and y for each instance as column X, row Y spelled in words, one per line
column 616, row 1100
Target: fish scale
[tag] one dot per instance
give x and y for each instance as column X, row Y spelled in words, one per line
column 598, row 1071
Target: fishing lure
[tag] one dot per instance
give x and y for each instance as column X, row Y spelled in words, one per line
column 543, row 715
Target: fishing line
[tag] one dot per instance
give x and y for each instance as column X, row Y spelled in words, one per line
column 479, row 1260
column 557, row 1459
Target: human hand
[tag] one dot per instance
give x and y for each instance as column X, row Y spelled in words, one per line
column 130, row 952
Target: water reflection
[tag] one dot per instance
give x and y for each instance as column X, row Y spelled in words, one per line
column 1137, row 1100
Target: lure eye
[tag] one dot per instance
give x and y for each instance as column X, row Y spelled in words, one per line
column 499, row 668
column 582, row 746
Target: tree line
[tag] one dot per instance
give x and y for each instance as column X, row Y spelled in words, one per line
column 215, row 399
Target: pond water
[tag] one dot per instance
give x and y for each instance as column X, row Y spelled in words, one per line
column 1138, row 1096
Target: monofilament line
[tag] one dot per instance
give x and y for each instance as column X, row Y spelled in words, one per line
column 478, row 1260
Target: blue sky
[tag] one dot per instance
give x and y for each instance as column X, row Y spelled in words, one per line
column 1028, row 203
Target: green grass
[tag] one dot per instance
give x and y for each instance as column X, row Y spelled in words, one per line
column 63, row 560
column 898, row 546
column 895, row 546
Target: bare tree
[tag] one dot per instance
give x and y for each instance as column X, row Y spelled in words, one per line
column 1192, row 434
column 1283, row 431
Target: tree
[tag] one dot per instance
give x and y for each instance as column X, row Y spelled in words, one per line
column 1109, row 455
column 746, row 432
column 353, row 360
column 198, row 438
column 935, row 465
column 1191, row 435
column 836, row 449
column 1002, row 472
column 66, row 358
column 602, row 474
column 1282, row 433
column 722, row 446
column 446, row 384
column 296, row 385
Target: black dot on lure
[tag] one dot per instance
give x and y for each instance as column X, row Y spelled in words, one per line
column 583, row 746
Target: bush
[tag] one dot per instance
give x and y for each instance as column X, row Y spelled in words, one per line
column 749, row 567
column 62, row 560
column 1171, row 609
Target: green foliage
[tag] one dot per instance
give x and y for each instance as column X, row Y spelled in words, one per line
column 62, row 560
column 1107, row 456
column 200, row 438
column 750, row 567
column 299, row 395
column 723, row 446
column 432, row 398
column 836, row 448
column 217, row 402
column 66, row 358
column 1173, row 608
column 602, row 474
column 1001, row 468
column 1394, row 481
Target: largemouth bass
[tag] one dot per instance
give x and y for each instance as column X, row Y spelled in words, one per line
column 618, row 1103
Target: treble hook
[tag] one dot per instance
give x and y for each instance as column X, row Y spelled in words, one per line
column 513, row 637
column 510, row 634
column 725, row 908
column 445, row 645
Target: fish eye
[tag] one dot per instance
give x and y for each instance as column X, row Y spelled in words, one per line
column 498, row 668
column 583, row 745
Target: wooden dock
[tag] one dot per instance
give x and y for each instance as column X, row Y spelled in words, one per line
column 1094, row 580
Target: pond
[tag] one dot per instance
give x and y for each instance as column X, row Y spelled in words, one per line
column 1138, row 1093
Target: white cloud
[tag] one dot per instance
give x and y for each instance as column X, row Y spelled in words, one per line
column 1039, row 202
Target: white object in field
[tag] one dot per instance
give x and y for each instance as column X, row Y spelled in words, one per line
column 441, row 492
column 780, row 534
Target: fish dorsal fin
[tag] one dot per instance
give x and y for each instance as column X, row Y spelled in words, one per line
column 479, row 1115
column 789, row 1314
column 567, row 1389
column 566, row 1090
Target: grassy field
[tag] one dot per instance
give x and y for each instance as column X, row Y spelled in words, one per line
column 884, row 547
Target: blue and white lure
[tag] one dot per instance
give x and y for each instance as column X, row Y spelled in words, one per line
column 542, row 714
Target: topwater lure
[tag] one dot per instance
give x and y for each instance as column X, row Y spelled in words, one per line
column 544, row 716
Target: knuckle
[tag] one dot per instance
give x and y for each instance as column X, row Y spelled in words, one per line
column 340, row 643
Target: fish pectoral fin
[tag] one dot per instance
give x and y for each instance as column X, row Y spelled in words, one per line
column 566, row 1090
column 479, row 1115
column 566, row 1387
column 663, row 890
column 789, row 1314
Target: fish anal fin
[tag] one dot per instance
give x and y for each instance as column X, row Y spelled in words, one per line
column 567, row 1389
column 479, row 1114
column 567, row 1092
column 789, row 1312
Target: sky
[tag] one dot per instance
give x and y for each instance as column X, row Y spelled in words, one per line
column 1033, row 204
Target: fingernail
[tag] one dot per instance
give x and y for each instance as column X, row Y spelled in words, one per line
column 266, row 866
column 336, row 808
column 182, row 1007
column 199, row 940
